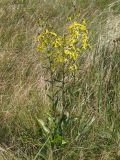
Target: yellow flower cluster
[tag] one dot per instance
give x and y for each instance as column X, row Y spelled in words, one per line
column 79, row 34
column 45, row 40
column 64, row 49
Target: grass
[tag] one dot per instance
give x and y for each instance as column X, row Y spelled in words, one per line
column 93, row 132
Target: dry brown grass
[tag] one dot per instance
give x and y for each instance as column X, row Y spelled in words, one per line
column 24, row 91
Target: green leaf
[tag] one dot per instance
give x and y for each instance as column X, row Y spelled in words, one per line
column 64, row 142
column 42, row 124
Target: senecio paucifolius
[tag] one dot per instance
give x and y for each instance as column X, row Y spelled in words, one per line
column 64, row 49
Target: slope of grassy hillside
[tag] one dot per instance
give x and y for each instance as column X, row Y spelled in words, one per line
column 93, row 131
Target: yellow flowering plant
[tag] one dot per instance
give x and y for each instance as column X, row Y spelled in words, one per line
column 60, row 54
column 66, row 48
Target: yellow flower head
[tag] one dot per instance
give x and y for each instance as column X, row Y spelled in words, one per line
column 73, row 67
column 71, row 54
column 58, row 42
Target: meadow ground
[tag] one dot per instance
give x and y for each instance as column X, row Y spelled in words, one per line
column 93, row 131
